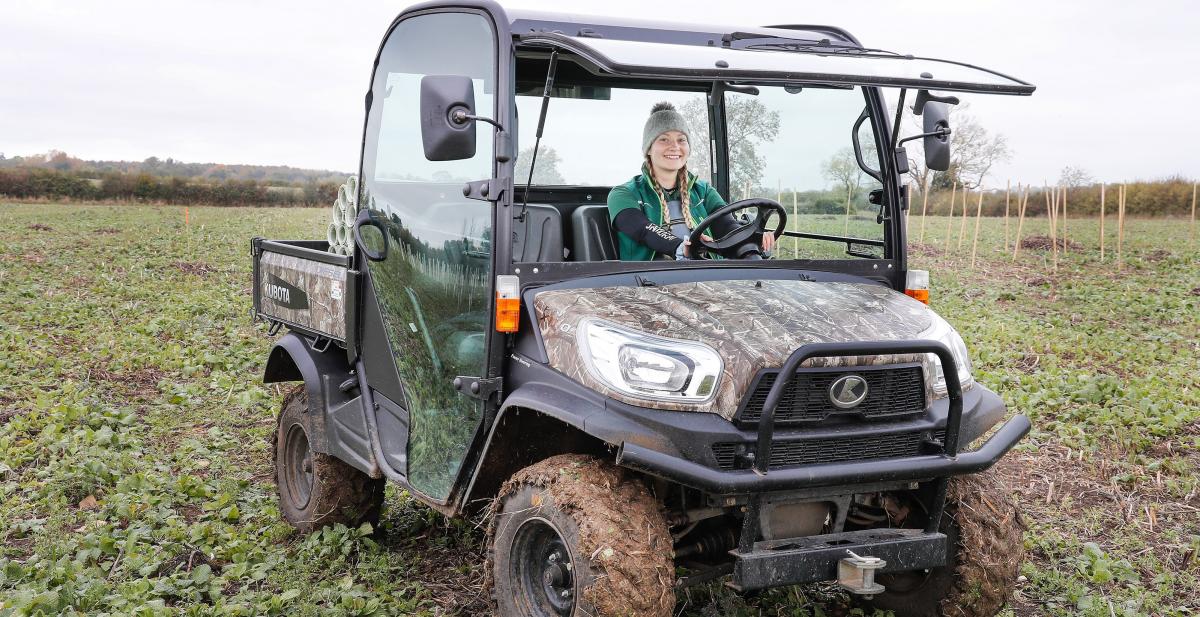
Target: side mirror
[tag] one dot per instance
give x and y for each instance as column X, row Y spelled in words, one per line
column 937, row 135
column 447, row 130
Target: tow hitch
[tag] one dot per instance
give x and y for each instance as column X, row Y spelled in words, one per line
column 857, row 574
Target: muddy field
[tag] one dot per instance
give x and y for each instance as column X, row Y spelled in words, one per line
column 135, row 468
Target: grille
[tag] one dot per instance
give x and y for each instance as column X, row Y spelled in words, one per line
column 891, row 392
column 832, row 450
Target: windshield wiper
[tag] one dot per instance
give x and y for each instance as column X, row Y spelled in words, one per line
column 827, row 49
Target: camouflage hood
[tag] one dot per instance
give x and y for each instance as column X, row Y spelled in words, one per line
column 751, row 324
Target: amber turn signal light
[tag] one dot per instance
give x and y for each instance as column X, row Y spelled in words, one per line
column 508, row 303
column 916, row 285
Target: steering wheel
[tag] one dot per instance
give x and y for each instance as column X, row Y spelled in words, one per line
column 739, row 236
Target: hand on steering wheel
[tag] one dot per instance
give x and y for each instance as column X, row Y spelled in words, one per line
column 740, row 235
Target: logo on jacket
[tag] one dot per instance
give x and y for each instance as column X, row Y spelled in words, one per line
column 848, row 391
column 284, row 293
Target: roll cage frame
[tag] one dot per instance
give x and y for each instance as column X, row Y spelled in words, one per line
column 890, row 270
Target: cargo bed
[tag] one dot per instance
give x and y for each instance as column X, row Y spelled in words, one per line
column 300, row 284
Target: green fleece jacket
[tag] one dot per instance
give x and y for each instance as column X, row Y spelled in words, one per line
column 639, row 193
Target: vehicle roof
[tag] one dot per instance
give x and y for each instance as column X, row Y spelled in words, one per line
column 524, row 21
column 655, row 49
column 800, row 54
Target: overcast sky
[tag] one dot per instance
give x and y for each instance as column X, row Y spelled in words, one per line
column 283, row 82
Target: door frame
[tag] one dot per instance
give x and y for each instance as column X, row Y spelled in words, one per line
column 502, row 225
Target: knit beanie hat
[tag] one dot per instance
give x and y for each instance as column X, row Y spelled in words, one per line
column 663, row 118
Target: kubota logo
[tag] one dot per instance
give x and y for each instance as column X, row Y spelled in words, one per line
column 848, row 391
column 284, row 293
column 279, row 294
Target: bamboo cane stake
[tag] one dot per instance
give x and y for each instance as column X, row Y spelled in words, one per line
column 1192, row 233
column 950, row 220
column 1054, row 229
column 924, row 206
column 962, row 227
column 1020, row 223
column 1049, row 211
column 1064, row 219
column 1007, row 193
column 1046, row 194
column 1101, row 222
column 975, row 242
column 849, row 195
column 1120, row 227
column 796, row 219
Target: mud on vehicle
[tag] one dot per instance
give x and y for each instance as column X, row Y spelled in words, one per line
column 639, row 427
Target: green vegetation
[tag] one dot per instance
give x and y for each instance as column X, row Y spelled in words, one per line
column 1165, row 197
column 170, row 168
column 135, row 468
column 56, row 175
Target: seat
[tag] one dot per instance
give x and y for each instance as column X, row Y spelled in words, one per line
column 593, row 235
column 540, row 238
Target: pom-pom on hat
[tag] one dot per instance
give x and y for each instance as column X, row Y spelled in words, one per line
column 663, row 118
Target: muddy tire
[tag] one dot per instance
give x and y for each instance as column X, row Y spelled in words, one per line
column 573, row 536
column 316, row 490
column 984, row 528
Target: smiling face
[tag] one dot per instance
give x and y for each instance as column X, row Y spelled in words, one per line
column 669, row 152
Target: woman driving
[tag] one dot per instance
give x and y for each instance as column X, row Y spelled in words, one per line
column 655, row 211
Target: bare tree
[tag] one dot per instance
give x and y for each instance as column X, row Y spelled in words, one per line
column 973, row 152
column 843, row 169
column 748, row 123
column 695, row 111
column 1075, row 177
column 545, row 169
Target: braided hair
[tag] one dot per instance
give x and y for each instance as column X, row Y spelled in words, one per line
column 685, row 197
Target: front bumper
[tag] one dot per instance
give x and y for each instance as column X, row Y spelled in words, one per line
column 815, row 558
column 943, row 461
column 913, row 468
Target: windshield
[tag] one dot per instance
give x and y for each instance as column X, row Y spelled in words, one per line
column 795, row 146
column 596, row 142
column 790, row 144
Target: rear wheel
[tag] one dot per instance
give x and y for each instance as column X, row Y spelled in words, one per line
column 315, row 489
column 984, row 528
column 571, row 536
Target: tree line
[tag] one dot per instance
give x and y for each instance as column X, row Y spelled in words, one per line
column 40, row 183
column 1170, row 196
column 169, row 167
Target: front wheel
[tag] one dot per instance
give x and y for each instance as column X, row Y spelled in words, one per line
column 315, row 489
column 571, row 536
column 984, row 529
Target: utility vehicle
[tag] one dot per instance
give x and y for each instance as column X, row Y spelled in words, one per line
column 637, row 427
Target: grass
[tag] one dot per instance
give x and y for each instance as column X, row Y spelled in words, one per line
column 1103, row 357
column 135, row 472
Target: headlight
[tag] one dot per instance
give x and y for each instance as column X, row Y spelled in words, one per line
column 941, row 331
column 647, row 366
